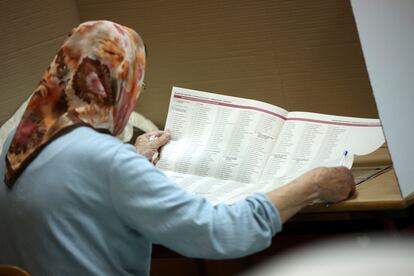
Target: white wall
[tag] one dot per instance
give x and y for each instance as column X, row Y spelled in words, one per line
column 386, row 31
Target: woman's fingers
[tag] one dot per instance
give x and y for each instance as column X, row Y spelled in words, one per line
column 154, row 134
column 149, row 143
column 161, row 140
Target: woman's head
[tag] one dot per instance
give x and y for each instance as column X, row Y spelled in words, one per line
column 94, row 80
column 101, row 66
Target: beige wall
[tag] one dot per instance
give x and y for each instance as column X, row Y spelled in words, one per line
column 30, row 35
column 300, row 55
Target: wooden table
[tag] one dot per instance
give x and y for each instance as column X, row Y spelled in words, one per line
column 379, row 193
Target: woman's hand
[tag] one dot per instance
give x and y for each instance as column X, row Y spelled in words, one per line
column 149, row 144
column 335, row 184
column 329, row 185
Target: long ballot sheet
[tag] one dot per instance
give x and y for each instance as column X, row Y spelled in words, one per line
column 225, row 148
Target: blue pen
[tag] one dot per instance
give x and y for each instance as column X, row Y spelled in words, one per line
column 344, row 158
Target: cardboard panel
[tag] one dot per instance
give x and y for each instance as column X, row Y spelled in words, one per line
column 30, row 35
column 300, row 55
column 317, row 49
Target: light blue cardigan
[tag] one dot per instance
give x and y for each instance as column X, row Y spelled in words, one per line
column 90, row 205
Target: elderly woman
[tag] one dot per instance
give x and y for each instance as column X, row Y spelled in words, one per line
column 77, row 201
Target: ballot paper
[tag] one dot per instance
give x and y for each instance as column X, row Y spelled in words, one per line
column 225, row 148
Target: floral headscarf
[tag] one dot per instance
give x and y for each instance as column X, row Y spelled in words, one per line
column 94, row 80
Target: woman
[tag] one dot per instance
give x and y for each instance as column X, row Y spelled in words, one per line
column 77, row 201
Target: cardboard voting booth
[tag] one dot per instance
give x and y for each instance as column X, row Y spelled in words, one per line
column 302, row 55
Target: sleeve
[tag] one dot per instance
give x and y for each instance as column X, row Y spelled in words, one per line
column 149, row 202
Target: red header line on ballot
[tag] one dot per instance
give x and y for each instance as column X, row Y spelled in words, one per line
column 230, row 105
column 272, row 113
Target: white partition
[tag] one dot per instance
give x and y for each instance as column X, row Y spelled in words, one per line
column 386, row 31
